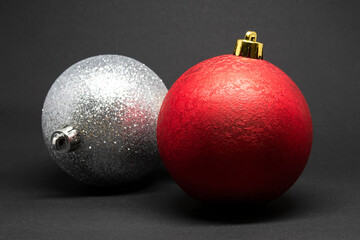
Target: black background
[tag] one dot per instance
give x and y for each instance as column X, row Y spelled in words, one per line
column 314, row 42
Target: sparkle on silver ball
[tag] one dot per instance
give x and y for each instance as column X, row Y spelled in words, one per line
column 112, row 103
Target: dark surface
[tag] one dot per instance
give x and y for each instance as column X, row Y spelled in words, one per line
column 315, row 43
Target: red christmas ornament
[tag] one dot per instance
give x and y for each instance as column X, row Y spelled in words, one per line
column 235, row 128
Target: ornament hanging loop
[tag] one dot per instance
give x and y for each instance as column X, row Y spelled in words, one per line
column 251, row 36
column 249, row 47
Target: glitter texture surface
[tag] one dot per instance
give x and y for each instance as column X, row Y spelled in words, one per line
column 113, row 102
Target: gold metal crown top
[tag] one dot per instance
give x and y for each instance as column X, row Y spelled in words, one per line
column 249, row 47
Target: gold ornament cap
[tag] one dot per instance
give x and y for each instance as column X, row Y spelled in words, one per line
column 249, row 47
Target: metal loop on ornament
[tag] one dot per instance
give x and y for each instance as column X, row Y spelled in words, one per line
column 251, row 36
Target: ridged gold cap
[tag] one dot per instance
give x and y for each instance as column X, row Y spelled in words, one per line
column 249, row 47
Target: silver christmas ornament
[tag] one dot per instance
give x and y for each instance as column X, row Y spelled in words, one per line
column 99, row 120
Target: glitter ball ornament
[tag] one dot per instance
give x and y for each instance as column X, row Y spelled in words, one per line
column 99, row 120
column 235, row 128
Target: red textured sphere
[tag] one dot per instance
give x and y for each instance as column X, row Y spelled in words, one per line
column 234, row 129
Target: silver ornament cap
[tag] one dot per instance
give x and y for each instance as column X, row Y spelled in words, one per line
column 99, row 120
column 65, row 140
